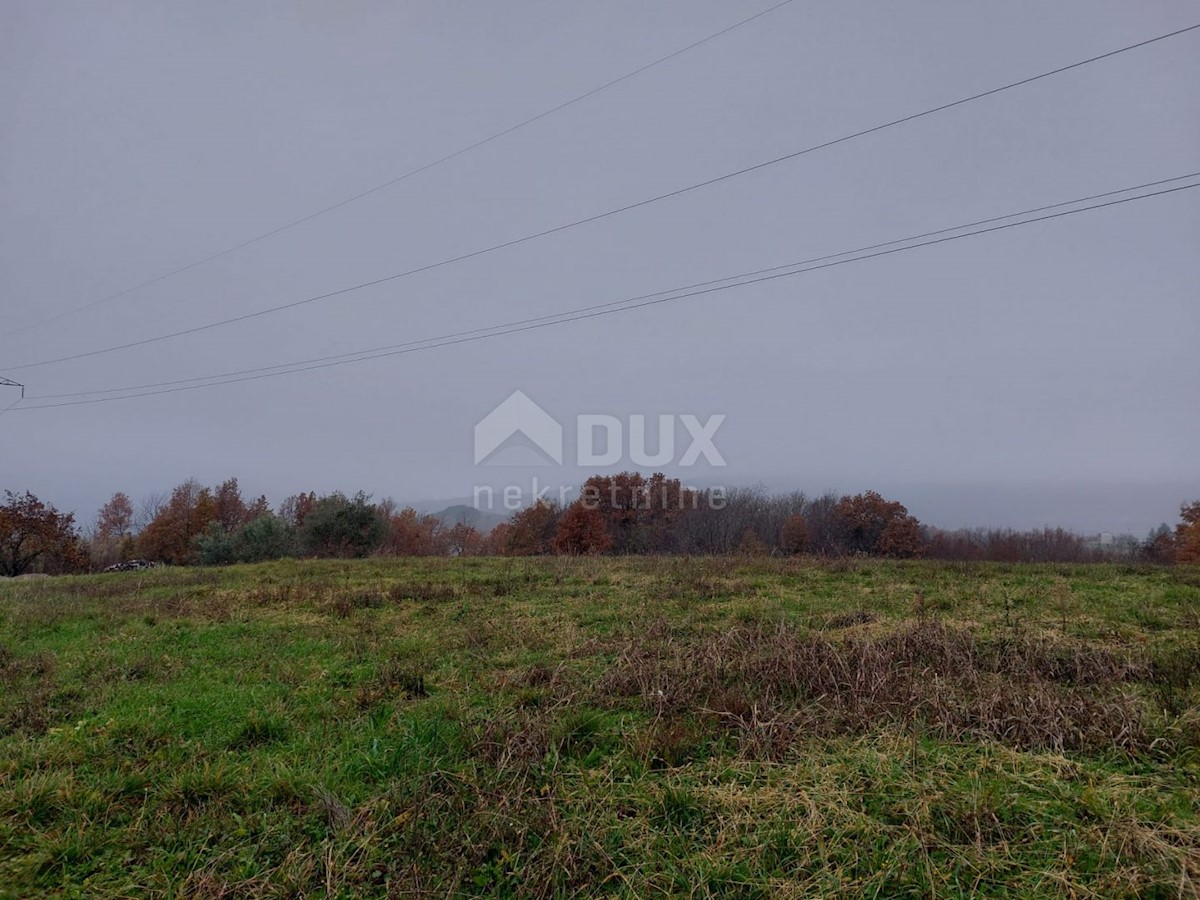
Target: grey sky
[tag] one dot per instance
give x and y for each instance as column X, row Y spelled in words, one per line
column 1046, row 374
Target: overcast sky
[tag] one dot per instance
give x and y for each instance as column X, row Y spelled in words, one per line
column 1040, row 375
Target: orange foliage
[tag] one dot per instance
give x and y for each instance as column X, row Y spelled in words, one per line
column 168, row 537
column 1187, row 534
column 115, row 519
column 532, row 529
column 637, row 511
column 496, row 542
column 32, row 531
column 870, row 524
column 295, row 508
column 460, row 540
column 581, row 532
column 410, row 534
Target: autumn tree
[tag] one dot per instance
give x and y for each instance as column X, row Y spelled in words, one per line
column 148, row 509
column 793, row 536
column 1187, row 533
column 497, row 541
column 460, row 539
column 185, row 516
column 581, row 532
column 901, row 538
column 112, row 535
column 295, row 508
column 867, row 523
column 531, row 530
column 115, row 519
column 640, row 513
column 409, row 533
column 260, row 507
column 35, row 532
column 230, row 507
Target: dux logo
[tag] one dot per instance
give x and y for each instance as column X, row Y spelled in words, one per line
column 518, row 432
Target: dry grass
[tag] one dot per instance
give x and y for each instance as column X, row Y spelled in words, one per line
column 774, row 685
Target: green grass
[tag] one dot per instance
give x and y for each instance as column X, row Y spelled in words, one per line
column 639, row 727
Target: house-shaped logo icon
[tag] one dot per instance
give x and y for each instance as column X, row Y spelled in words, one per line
column 518, row 432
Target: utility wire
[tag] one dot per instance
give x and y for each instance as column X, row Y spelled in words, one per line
column 641, row 305
column 394, row 181
column 614, row 303
column 10, row 406
column 612, row 212
column 6, row 382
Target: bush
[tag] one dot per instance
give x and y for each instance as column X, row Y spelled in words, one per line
column 342, row 526
column 215, row 547
column 267, row 537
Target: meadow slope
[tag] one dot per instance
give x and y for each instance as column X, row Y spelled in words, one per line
column 639, row 727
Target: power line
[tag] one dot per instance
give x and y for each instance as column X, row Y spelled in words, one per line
column 10, row 406
column 602, row 312
column 628, row 300
column 394, row 181
column 604, row 215
column 6, row 382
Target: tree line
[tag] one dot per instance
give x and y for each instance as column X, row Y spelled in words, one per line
column 623, row 514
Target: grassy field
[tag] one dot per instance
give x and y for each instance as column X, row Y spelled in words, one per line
column 569, row 727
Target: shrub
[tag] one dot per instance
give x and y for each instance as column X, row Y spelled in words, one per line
column 342, row 526
column 215, row 547
column 267, row 537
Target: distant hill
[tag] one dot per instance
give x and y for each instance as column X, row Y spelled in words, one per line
column 478, row 519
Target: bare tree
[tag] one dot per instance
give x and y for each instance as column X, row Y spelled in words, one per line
column 149, row 508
